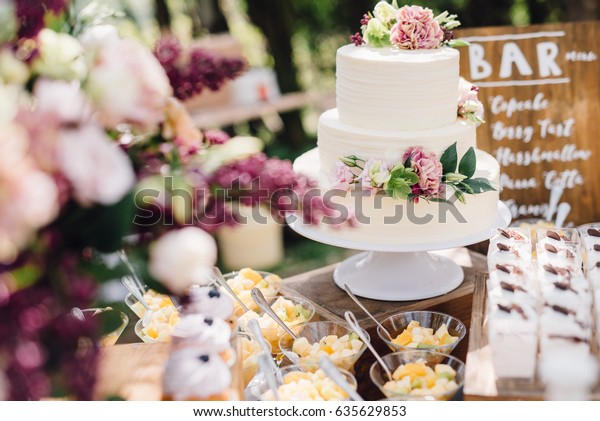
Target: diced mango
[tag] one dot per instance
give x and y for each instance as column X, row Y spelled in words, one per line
column 404, row 338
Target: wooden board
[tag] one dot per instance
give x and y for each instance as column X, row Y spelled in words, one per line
column 552, row 72
column 480, row 381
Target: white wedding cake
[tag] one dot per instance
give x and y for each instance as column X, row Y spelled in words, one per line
column 392, row 151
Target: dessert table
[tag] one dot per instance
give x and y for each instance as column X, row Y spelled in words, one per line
column 133, row 371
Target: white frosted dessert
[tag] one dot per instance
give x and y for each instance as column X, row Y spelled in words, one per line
column 565, row 327
column 512, row 335
column 372, row 84
column 515, row 273
column 391, row 101
column 210, row 302
column 507, row 292
column 192, row 376
column 568, row 376
column 204, row 334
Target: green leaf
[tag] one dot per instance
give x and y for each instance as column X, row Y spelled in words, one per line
column 449, row 159
column 479, row 185
column 468, row 163
column 458, row 43
column 398, row 167
column 397, row 188
column 465, row 188
column 438, row 200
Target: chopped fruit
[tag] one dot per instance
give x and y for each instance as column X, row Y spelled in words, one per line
column 301, row 386
column 162, row 317
column 292, row 315
column 342, row 351
column 246, row 279
column 418, row 379
column 415, row 336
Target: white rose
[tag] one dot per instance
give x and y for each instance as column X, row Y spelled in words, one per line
column 61, row 56
column 98, row 169
column 66, row 100
column 12, row 70
column 182, row 258
column 385, row 12
column 128, row 85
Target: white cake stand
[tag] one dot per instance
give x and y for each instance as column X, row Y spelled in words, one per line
column 399, row 272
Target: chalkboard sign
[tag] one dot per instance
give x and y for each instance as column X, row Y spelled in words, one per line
column 540, row 86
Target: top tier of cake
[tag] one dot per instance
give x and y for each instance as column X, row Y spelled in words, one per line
column 392, row 89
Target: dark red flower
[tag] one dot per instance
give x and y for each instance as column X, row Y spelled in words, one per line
column 357, row 39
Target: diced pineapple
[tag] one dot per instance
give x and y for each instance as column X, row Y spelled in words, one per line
column 444, row 370
column 441, row 332
column 412, row 324
column 251, row 274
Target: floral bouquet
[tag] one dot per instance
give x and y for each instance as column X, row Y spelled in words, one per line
column 93, row 141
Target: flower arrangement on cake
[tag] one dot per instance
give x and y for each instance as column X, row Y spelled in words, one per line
column 92, row 141
column 407, row 28
column 419, row 175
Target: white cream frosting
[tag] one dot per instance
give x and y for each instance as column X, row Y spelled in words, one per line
column 337, row 139
column 210, row 302
column 384, row 220
column 192, row 375
column 205, row 334
column 393, row 89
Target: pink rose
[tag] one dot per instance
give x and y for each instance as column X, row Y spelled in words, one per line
column 468, row 101
column 429, row 169
column 342, row 175
column 416, row 28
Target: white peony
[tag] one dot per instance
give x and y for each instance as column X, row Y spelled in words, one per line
column 182, row 258
column 128, row 85
column 98, row 36
column 385, row 12
column 63, row 99
column 61, row 56
column 98, row 169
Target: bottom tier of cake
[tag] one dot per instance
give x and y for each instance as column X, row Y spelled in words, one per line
column 383, row 220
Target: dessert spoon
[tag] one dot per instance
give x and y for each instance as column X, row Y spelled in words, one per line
column 262, row 303
column 351, row 319
column 131, row 286
column 264, row 345
column 222, row 282
column 363, row 308
column 265, row 367
column 338, row 378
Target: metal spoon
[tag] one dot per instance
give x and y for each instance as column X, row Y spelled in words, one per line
column 222, row 282
column 262, row 303
column 130, row 285
column 351, row 319
column 137, row 282
column 338, row 378
column 351, row 295
column 264, row 345
column 265, row 367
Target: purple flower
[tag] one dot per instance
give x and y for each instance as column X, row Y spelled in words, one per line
column 429, row 169
column 30, row 15
column 357, row 39
column 416, row 28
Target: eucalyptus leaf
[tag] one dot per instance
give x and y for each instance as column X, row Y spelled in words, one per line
column 449, row 159
column 468, row 163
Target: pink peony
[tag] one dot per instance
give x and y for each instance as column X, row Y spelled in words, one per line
column 416, row 28
column 98, row 169
column 128, row 85
column 429, row 169
column 342, row 175
column 28, row 196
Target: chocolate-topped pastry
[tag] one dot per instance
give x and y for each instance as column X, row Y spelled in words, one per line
column 593, row 232
column 513, row 307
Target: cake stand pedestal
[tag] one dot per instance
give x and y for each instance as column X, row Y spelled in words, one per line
column 399, row 272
